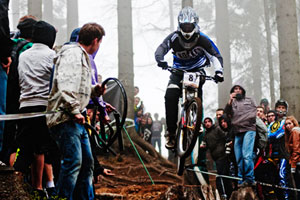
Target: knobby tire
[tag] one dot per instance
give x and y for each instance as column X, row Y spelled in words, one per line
column 186, row 138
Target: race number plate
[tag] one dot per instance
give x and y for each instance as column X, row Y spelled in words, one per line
column 191, row 79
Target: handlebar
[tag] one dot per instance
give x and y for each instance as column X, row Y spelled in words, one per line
column 181, row 71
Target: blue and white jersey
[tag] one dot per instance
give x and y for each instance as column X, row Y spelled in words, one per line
column 190, row 56
column 276, row 129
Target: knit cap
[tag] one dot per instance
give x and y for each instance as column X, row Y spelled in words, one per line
column 26, row 27
column 44, row 33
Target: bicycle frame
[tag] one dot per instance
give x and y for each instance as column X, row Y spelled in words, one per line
column 191, row 115
column 188, row 93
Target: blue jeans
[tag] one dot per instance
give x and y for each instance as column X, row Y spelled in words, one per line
column 157, row 140
column 77, row 165
column 3, row 83
column 243, row 149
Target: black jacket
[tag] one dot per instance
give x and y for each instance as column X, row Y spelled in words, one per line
column 215, row 140
column 5, row 42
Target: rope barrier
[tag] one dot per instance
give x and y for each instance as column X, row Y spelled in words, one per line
column 239, row 179
column 129, row 122
column 25, row 115
column 139, row 156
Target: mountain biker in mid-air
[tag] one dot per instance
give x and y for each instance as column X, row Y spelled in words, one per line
column 192, row 51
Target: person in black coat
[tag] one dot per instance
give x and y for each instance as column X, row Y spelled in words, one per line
column 5, row 59
column 215, row 140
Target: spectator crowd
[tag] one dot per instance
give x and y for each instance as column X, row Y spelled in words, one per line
column 256, row 144
column 150, row 130
column 53, row 151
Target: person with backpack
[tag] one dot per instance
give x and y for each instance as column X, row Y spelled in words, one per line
column 34, row 69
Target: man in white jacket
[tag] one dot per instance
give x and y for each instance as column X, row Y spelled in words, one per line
column 71, row 92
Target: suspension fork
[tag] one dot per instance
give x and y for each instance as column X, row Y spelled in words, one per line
column 183, row 104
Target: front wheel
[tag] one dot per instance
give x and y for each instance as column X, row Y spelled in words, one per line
column 189, row 127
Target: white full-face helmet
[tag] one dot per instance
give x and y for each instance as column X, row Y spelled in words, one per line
column 188, row 22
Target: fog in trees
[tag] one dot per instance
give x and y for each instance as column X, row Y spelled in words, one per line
column 250, row 38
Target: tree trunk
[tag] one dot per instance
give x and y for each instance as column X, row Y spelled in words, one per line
column 126, row 75
column 72, row 16
column 48, row 11
column 185, row 3
column 59, row 21
column 269, row 51
column 289, row 54
column 35, row 8
column 256, row 64
column 223, row 40
column 171, row 15
column 15, row 13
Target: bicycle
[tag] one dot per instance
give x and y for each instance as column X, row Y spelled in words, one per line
column 189, row 127
column 117, row 113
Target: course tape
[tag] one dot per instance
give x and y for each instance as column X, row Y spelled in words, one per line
column 239, row 179
column 128, row 124
column 25, row 115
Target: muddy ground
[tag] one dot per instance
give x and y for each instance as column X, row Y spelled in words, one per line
column 129, row 182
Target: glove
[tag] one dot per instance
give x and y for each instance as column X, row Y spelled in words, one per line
column 163, row 64
column 219, row 77
column 293, row 170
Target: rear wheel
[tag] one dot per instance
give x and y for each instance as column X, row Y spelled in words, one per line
column 189, row 127
column 116, row 96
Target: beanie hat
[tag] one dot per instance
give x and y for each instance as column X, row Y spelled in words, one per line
column 210, row 119
column 26, row 27
column 44, row 33
column 264, row 101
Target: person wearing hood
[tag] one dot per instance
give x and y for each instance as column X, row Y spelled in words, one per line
column 35, row 65
column 214, row 140
column 242, row 112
